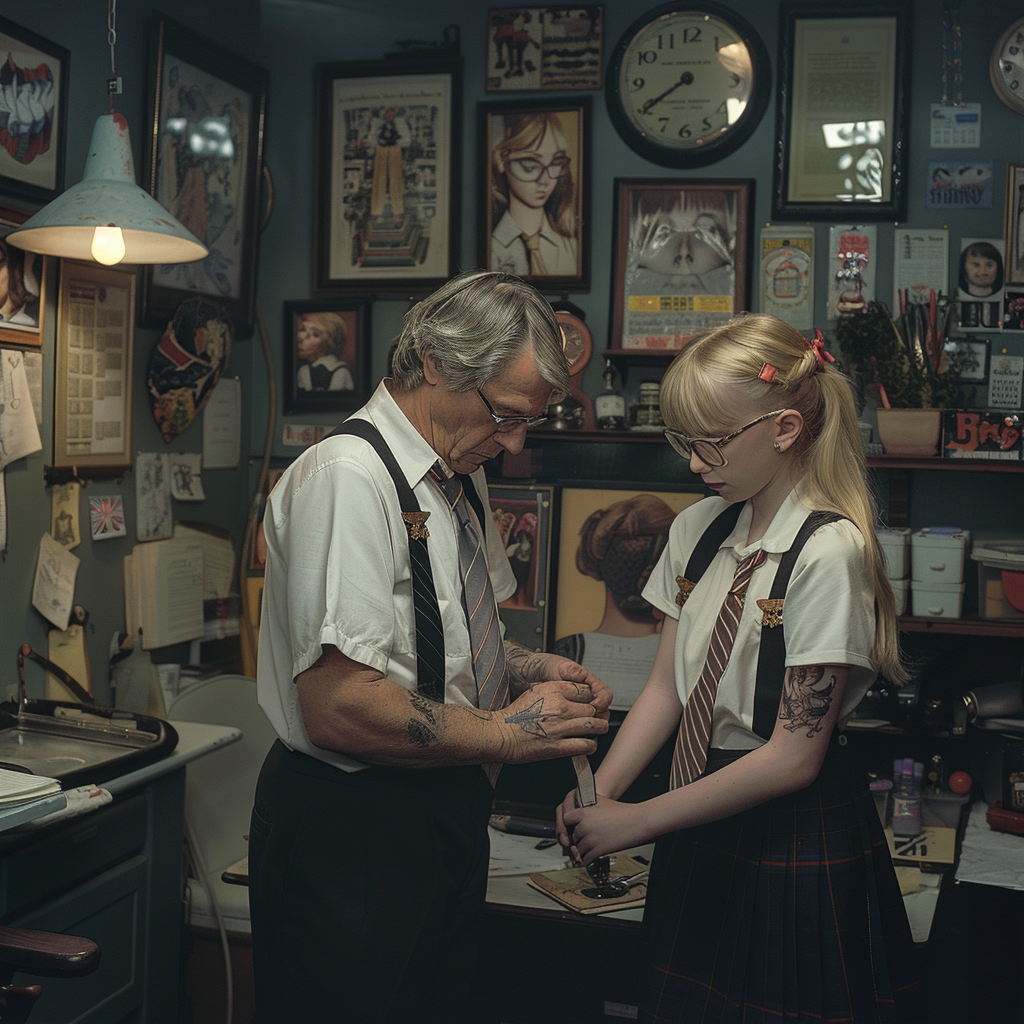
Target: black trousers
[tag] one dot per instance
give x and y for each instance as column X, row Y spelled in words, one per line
column 366, row 890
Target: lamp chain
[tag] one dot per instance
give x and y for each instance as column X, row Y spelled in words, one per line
column 114, row 81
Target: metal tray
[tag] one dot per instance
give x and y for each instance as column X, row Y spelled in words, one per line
column 79, row 744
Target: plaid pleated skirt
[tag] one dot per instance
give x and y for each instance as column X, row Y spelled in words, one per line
column 787, row 912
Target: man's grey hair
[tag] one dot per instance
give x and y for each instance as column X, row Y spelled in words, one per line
column 476, row 325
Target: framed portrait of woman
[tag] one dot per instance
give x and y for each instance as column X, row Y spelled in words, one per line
column 535, row 191
column 682, row 249
column 22, row 287
column 326, row 354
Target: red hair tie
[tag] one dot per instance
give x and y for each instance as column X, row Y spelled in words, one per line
column 818, row 347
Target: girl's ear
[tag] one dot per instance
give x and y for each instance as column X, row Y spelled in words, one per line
column 788, row 425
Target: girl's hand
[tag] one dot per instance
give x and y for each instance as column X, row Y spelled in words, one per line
column 607, row 827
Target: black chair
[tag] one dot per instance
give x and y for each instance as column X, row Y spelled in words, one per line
column 45, row 954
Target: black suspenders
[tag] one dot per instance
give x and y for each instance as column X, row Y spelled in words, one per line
column 771, row 658
column 430, row 674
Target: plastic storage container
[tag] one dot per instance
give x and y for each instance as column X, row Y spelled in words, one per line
column 1000, row 576
column 936, row 600
column 938, row 553
column 900, row 590
column 895, row 544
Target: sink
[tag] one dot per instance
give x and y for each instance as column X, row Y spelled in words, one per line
column 78, row 744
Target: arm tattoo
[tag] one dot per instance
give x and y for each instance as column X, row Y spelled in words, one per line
column 531, row 720
column 524, row 666
column 424, row 706
column 422, row 734
column 806, row 698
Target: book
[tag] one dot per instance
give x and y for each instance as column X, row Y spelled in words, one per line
column 566, row 886
column 23, row 787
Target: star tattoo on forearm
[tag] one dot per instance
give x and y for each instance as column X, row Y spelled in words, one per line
column 806, row 698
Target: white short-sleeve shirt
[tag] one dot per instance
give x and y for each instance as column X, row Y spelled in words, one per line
column 338, row 570
column 828, row 618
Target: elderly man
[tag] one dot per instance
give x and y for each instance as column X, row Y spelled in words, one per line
column 368, row 850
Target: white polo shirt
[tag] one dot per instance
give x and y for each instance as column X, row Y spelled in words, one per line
column 828, row 617
column 338, row 570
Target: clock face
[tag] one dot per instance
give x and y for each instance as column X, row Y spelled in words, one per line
column 688, row 84
column 1006, row 67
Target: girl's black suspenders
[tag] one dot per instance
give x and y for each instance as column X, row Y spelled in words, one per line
column 771, row 659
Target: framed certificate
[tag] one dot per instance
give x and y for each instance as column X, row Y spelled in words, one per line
column 841, row 115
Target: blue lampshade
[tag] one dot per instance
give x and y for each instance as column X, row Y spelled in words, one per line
column 107, row 216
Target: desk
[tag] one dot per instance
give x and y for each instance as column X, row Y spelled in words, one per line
column 116, row 876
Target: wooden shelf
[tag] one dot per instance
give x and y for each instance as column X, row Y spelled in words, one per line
column 969, row 625
column 642, row 355
column 937, row 462
column 618, row 436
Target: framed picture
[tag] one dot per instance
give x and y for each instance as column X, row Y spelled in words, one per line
column 981, row 277
column 1014, row 217
column 326, row 354
column 35, row 114
column 532, row 49
column 387, row 191
column 200, row 91
column 535, row 191
column 523, row 516
column 842, row 112
column 93, row 402
column 609, row 541
column 23, row 294
column 682, row 251
column 971, row 357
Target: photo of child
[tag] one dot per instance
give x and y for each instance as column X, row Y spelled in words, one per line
column 320, row 346
column 980, row 283
column 534, row 205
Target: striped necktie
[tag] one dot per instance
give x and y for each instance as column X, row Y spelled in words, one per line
column 691, row 753
column 478, row 600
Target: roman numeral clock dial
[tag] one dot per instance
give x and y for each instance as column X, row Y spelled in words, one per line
column 687, row 84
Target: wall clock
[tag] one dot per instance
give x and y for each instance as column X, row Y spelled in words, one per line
column 688, row 83
column 1006, row 67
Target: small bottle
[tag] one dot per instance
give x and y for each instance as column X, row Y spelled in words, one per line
column 610, row 406
column 906, row 804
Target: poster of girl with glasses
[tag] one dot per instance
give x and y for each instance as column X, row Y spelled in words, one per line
column 534, row 210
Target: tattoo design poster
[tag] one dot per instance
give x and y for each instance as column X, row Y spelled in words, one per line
column 851, row 263
column 787, row 274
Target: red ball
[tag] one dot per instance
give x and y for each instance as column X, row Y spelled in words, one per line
column 960, row 782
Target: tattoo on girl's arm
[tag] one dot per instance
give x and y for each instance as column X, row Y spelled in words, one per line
column 806, row 698
column 531, row 720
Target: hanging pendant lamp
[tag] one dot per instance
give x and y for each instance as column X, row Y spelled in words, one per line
column 107, row 216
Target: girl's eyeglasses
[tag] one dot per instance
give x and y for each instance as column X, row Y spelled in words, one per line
column 707, row 450
column 528, row 168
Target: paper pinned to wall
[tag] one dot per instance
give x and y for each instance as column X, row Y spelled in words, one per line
column 155, row 521
column 187, row 476
column 222, row 426
column 53, row 592
column 19, row 435
column 64, row 515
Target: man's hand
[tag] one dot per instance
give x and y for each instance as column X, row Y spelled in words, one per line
column 557, row 718
column 532, row 667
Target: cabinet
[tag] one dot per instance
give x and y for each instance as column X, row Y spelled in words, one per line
column 115, row 876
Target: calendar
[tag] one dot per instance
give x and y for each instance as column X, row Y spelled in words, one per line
column 1004, row 384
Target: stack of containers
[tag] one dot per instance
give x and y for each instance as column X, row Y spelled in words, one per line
column 895, row 543
column 1000, row 559
column 937, row 557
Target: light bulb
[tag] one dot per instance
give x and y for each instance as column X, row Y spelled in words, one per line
column 107, row 245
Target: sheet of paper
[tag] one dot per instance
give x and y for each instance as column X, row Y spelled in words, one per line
column 19, row 434
column 921, row 262
column 787, row 274
column 181, row 581
column 187, row 476
column 956, row 127
column 852, row 255
column 218, row 560
column 34, row 376
column 53, row 592
column 66, row 648
column 155, row 520
column 222, row 426
column 64, row 516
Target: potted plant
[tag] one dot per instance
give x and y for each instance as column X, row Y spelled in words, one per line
column 911, row 364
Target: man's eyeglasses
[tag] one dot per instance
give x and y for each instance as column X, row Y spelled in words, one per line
column 528, row 168
column 707, row 450
column 506, row 424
